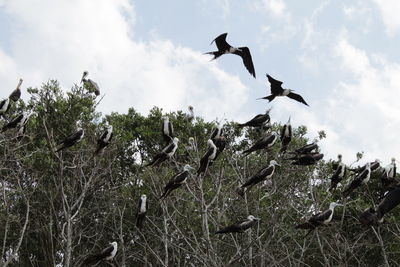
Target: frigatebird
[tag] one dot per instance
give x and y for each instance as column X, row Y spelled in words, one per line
column 390, row 170
column 374, row 165
column 72, row 139
column 104, row 140
column 189, row 117
column 240, row 226
column 167, row 130
column 225, row 48
column 18, row 121
column 263, row 143
column 16, row 94
column 141, row 212
column 321, row 218
column 368, row 217
column 4, row 106
column 306, row 159
column 106, row 254
column 286, row 136
column 166, row 153
column 90, row 85
column 208, row 157
column 261, row 175
column 277, row 90
column 339, row 174
column 177, row 181
column 258, row 121
column 359, row 179
column 216, row 132
column 391, row 200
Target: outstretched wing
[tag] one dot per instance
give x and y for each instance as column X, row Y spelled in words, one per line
column 297, row 97
column 276, row 86
column 221, row 43
column 244, row 53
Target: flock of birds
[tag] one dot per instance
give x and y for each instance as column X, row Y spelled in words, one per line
column 303, row 156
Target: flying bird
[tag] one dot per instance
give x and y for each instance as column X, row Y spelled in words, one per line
column 4, row 106
column 167, row 130
column 225, row 48
column 141, row 212
column 286, row 136
column 16, row 94
column 91, row 85
column 339, row 174
column 359, row 179
column 277, row 90
column 321, row 218
column 104, row 140
column 207, row 157
column 106, row 254
column 177, row 181
column 261, row 175
column 166, row 153
column 72, row 139
column 258, row 121
column 18, row 121
column 263, row 143
column 240, row 226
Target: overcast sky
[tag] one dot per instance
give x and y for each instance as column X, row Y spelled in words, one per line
column 341, row 56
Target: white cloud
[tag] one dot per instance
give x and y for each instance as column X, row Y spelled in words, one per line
column 60, row 39
column 390, row 14
column 276, row 7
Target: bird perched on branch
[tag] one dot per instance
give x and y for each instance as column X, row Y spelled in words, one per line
column 225, row 48
column 359, row 179
column 16, row 94
column 106, row 254
column 72, row 139
column 306, row 159
column 286, row 136
column 240, row 226
column 90, row 85
column 177, row 181
column 18, row 121
column 141, row 212
column 263, row 174
column 339, row 174
column 104, row 140
column 167, row 130
column 208, row 157
column 263, row 143
column 166, row 153
column 258, row 121
column 4, row 106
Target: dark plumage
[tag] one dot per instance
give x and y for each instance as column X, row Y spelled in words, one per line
column 321, row 218
column 4, row 106
column 306, row 149
column 368, row 217
column 18, row 121
column 359, row 179
column 73, row 139
column 373, row 165
column 104, row 140
column 307, row 159
column 167, row 130
column 166, row 153
column 177, row 181
column 16, row 94
column 263, row 143
column 258, row 121
column 209, row 156
column 240, row 226
column 141, row 212
column 277, row 90
column 106, row 254
column 286, row 136
column 90, row 85
column 339, row 174
column 225, row 48
column 391, row 200
column 261, row 175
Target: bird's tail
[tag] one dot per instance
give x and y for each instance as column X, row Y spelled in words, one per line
column 91, row 260
column 216, row 54
column 164, row 195
column 269, row 98
column 98, row 151
column 61, row 148
column 306, row 225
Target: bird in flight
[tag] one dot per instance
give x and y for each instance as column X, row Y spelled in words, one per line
column 277, row 90
column 225, row 48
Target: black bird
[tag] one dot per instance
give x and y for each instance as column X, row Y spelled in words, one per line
column 16, row 94
column 216, row 132
column 90, row 85
column 263, row 143
column 321, row 218
column 106, row 254
column 277, row 90
column 73, row 139
column 18, row 121
column 391, row 200
column 166, row 153
column 225, row 48
column 167, row 130
column 258, row 121
column 286, row 136
column 306, row 149
column 261, row 175
column 368, row 217
column 208, row 157
column 306, row 159
column 141, row 212
column 104, row 140
column 220, row 143
column 240, row 226
column 359, row 179
column 177, row 181
column 4, row 106
column 374, row 165
column 339, row 174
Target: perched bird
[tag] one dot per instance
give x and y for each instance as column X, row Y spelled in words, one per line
column 177, row 181
column 167, row 130
column 91, row 85
column 263, row 143
column 240, row 226
column 261, row 175
column 308, row 148
column 368, row 217
column 141, row 212
column 321, row 218
column 72, row 139
column 16, row 94
column 216, row 132
column 104, row 140
column 189, row 117
column 220, row 143
column 391, row 200
column 390, row 170
column 339, row 173
column 306, row 159
column 106, row 254
column 277, row 90
column 166, row 153
column 225, row 48
column 18, row 121
column 286, row 136
column 359, row 179
column 374, row 165
column 207, row 157
column 258, row 121
column 4, row 106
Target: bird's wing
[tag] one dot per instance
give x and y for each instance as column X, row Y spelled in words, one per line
column 276, row 86
column 391, row 200
column 94, row 84
column 180, row 177
column 221, row 43
column 103, row 136
column 322, row 216
column 72, row 137
column 169, row 147
column 297, row 97
column 106, row 252
column 244, row 53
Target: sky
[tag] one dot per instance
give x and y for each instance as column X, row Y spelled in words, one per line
column 341, row 56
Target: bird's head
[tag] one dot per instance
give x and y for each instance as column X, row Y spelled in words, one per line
column 252, row 218
column 393, row 160
column 339, row 157
column 84, row 75
column 20, row 82
column 187, row 168
column 190, row 108
column 175, row 140
column 273, row 162
column 191, row 140
column 114, row 244
column 143, row 197
column 334, row 204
